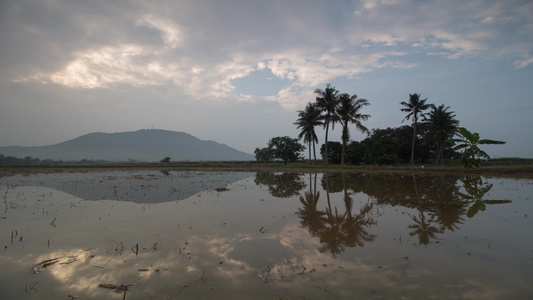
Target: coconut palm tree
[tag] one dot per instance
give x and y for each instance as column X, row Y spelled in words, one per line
column 306, row 122
column 327, row 101
column 414, row 108
column 348, row 112
column 470, row 142
column 441, row 125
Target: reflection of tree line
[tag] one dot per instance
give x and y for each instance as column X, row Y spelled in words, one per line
column 439, row 200
column 281, row 185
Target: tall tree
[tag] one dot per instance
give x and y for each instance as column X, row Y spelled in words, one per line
column 327, row 101
column 348, row 112
column 414, row 108
column 441, row 126
column 306, row 122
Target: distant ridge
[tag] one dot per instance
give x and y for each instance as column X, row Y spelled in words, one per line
column 147, row 145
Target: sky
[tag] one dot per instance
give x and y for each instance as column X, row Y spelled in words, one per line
column 237, row 71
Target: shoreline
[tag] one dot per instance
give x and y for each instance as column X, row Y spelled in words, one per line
column 508, row 171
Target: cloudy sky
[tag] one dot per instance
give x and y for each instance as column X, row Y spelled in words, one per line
column 236, row 72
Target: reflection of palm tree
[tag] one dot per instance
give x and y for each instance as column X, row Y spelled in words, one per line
column 474, row 187
column 335, row 230
column 445, row 212
column 423, row 228
column 355, row 227
column 331, row 235
column 449, row 216
column 311, row 217
column 475, row 190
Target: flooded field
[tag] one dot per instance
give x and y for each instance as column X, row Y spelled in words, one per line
column 241, row 235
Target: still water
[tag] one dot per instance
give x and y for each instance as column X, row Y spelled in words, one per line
column 237, row 235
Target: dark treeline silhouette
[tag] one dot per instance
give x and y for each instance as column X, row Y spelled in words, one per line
column 386, row 146
column 30, row 161
column 428, row 138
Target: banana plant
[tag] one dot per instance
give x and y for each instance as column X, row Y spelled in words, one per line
column 470, row 142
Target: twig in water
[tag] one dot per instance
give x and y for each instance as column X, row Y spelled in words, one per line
column 5, row 196
column 303, row 270
column 324, row 289
column 32, row 286
column 136, row 251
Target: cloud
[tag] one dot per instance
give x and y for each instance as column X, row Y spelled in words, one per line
column 527, row 60
column 201, row 47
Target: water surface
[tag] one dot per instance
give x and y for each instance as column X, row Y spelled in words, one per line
column 224, row 235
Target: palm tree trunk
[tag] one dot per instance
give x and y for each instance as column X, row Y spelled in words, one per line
column 344, row 138
column 413, row 145
column 309, row 152
column 326, row 143
column 342, row 153
column 440, row 152
column 314, row 151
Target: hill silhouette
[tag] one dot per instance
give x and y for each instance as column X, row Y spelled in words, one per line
column 147, row 145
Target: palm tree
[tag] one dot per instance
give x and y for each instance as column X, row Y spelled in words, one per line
column 327, row 101
column 414, row 108
column 441, row 125
column 307, row 120
column 470, row 143
column 348, row 111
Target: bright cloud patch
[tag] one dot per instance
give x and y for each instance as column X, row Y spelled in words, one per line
column 100, row 67
column 260, row 83
column 209, row 53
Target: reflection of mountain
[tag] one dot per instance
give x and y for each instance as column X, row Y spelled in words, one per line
column 137, row 186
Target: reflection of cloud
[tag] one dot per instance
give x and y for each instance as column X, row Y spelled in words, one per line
column 236, row 261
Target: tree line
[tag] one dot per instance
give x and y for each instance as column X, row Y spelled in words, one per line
column 434, row 134
column 31, row 161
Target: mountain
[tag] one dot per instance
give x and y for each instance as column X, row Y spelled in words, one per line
column 142, row 145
